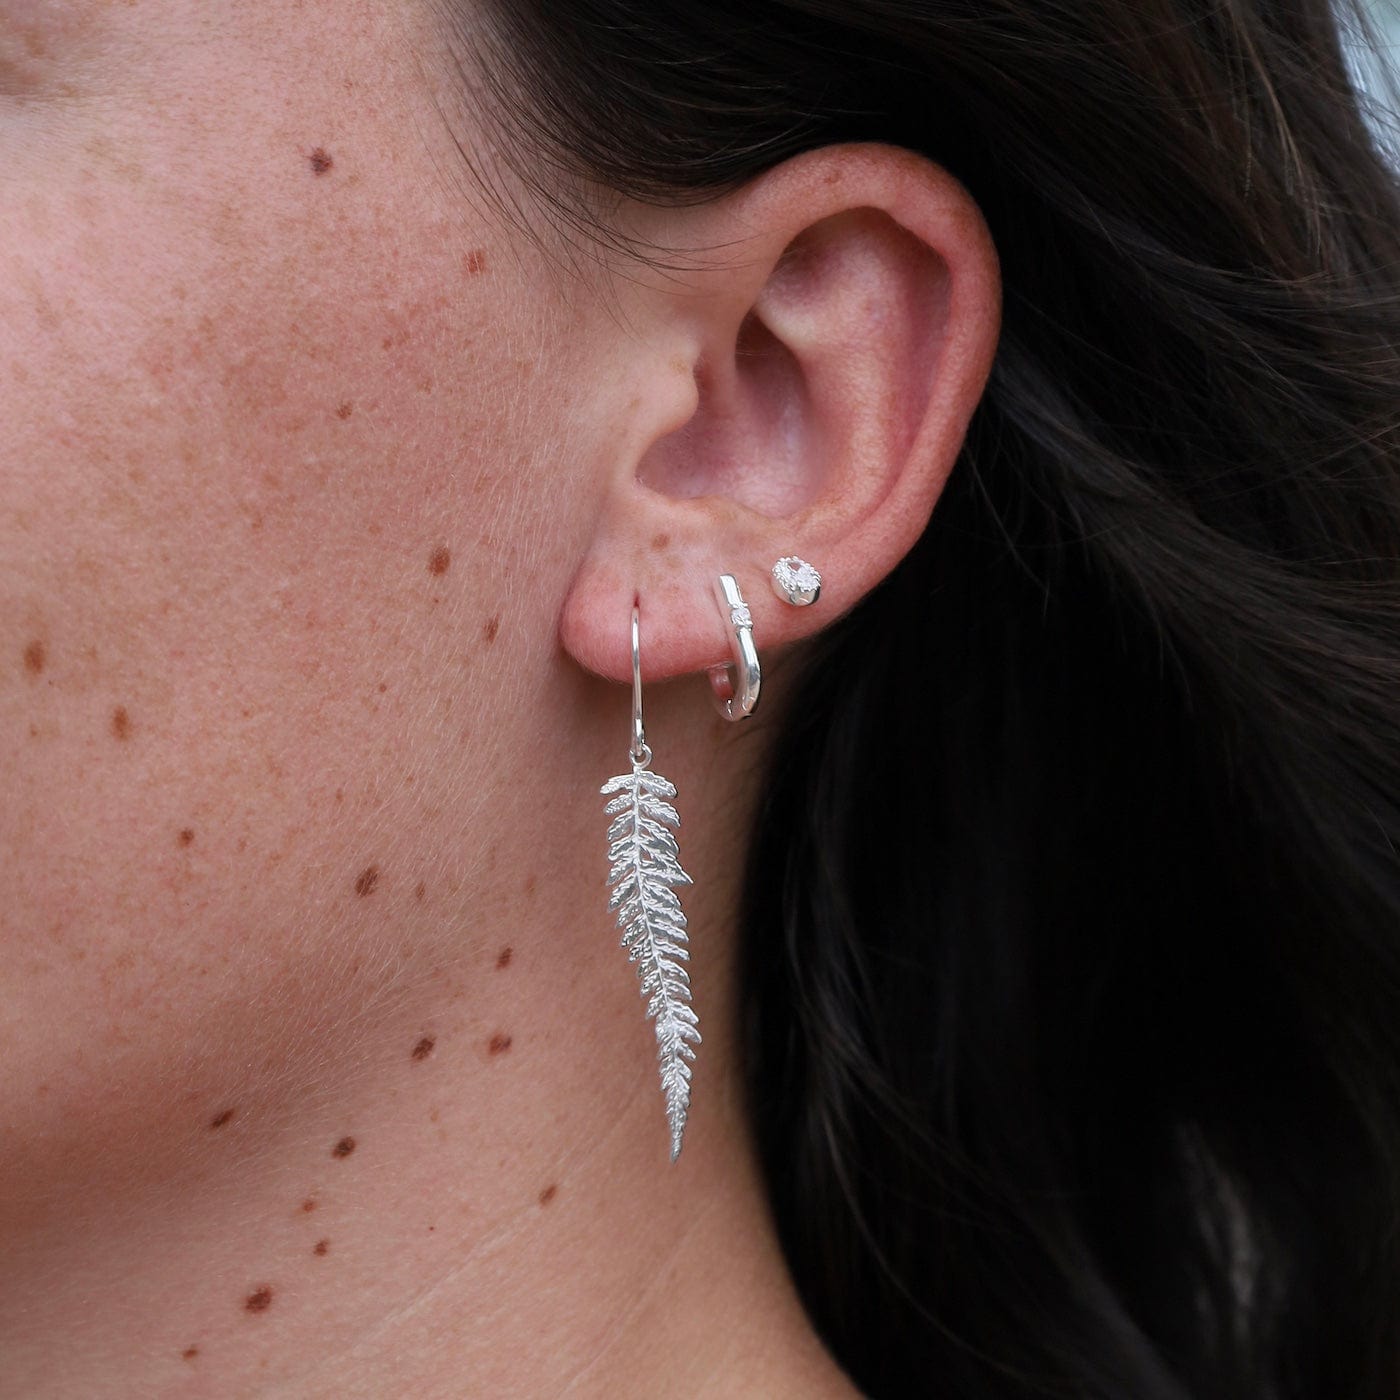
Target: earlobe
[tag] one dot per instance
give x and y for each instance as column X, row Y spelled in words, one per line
column 835, row 363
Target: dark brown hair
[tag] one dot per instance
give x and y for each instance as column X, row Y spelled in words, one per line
column 1074, row 990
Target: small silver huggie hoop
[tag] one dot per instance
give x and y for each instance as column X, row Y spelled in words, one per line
column 744, row 697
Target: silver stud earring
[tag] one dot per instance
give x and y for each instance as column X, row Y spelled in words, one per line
column 644, row 867
column 796, row 581
column 744, row 686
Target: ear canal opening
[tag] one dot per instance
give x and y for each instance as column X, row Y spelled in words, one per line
column 747, row 439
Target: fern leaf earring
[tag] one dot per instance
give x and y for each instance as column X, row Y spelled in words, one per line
column 645, row 868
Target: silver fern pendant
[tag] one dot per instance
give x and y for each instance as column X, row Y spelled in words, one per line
column 645, row 868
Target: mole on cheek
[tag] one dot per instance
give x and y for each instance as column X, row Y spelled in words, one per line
column 424, row 1048
column 345, row 410
column 190, row 1353
column 660, row 541
column 420, row 890
column 344, row 1147
column 475, row 261
column 186, row 835
column 499, row 1043
column 503, row 958
column 259, row 1300
column 366, row 880
column 492, row 627
column 308, row 1204
column 321, row 1246
column 121, row 723
column 34, row 657
column 219, row 1119
column 320, row 160
column 440, row 560
column 548, row 1194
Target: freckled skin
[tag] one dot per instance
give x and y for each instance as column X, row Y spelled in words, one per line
column 199, row 536
column 206, row 574
column 184, row 525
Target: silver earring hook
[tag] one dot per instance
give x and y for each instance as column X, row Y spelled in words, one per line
column 744, row 689
column 640, row 752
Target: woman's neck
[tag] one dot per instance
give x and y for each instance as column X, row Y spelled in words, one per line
column 439, row 1168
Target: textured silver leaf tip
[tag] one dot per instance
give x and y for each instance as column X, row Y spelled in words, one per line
column 644, row 868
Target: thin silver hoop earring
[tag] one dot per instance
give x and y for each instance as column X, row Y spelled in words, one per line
column 743, row 696
column 644, row 865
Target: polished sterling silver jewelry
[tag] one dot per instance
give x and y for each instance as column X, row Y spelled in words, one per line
column 796, row 581
column 743, row 691
column 645, row 865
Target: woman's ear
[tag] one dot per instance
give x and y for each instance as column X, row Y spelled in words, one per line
column 805, row 393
